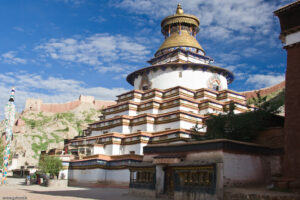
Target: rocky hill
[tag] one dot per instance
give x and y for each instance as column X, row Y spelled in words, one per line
column 36, row 130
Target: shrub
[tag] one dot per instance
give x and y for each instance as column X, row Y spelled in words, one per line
column 50, row 164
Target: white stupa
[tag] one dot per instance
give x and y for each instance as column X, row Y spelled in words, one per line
column 178, row 90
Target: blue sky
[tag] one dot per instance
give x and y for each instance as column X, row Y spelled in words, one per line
column 58, row 49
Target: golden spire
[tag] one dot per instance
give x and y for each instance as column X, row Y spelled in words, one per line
column 180, row 30
column 179, row 9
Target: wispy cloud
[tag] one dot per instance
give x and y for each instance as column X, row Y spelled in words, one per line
column 98, row 19
column 50, row 89
column 222, row 18
column 17, row 28
column 264, row 80
column 95, row 49
column 75, row 2
column 11, row 58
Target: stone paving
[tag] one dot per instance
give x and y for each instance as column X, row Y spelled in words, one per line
column 16, row 190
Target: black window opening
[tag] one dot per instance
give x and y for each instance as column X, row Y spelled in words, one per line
column 145, row 87
column 216, row 86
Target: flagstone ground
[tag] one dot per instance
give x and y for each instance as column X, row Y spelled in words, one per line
column 16, row 190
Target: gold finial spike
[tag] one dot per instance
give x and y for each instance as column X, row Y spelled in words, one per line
column 179, row 9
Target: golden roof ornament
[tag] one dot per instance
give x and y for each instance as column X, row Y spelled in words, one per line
column 179, row 9
column 180, row 30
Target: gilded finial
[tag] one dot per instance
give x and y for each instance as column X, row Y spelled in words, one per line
column 179, row 9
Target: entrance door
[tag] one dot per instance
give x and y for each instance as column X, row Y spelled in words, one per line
column 169, row 181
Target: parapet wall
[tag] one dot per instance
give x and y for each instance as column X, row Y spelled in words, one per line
column 59, row 108
column 39, row 106
column 264, row 91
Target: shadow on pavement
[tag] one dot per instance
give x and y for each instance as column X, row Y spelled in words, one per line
column 92, row 193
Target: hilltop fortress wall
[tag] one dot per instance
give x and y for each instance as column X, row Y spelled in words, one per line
column 39, row 106
column 264, row 91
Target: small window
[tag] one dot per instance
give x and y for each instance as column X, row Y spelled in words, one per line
column 131, row 152
column 216, row 86
column 88, row 152
column 145, row 87
column 180, row 74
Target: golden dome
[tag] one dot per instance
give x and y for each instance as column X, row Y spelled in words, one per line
column 185, row 39
column 180, row 17
column 180, row 30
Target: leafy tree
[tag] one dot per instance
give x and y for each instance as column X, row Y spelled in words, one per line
column 196, row 132
column 50, row 164
column 244, row 126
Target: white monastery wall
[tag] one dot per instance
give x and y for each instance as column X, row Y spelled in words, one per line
column 98, row 150
column 246, row 169
column 112, row 149
column 151, row 111
column 189, row 78
column 99, row 175
column 137, row 148
column 239, row 168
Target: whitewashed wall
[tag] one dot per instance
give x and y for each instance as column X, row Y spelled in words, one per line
column 137, row 148
column 240, row 169
column 112, row 149
column 243, row 169
column 100, row 175
column 193, row 79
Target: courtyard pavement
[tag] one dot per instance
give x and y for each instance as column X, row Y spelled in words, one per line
column 16, row 190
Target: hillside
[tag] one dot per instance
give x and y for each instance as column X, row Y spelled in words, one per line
column 37, row 131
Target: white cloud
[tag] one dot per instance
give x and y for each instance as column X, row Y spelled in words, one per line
column 17, row 28
column 249, row 52
column 10, row 58
column 230, row 57
column 98, row 19
column 263, row 80
column 95, row 49
column 75, row 2
column 115, row 68
column 219, row 18
column 50, row 89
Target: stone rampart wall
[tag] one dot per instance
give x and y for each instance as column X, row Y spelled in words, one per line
column 60, row 108
column 38, row 105
column 264, row 91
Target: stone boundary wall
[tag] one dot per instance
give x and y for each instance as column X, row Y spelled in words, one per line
column 60, row 108
column 264, row 91
column 38, row 105
column 100, row 104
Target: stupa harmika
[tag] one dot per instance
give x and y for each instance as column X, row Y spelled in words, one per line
column 178, row 90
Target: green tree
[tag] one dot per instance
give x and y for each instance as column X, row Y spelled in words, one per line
column 243, row 126
column 50, row 164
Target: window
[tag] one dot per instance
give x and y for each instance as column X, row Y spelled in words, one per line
column 88, row 152
column 180, row 74
column 131, row 152
column 216, row 86
column 145, row 87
